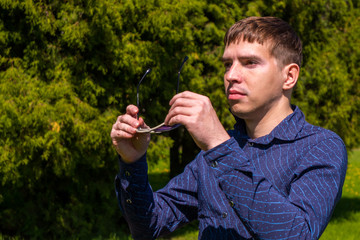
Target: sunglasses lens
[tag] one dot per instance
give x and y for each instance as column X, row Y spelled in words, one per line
column 166, row 128
column 158, row 129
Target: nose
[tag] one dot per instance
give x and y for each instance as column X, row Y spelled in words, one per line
column 234, row 74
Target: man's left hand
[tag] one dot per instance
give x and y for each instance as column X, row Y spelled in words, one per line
column 197, row 114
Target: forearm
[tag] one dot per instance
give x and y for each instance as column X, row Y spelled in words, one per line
column 135, row 197
column 150, row 214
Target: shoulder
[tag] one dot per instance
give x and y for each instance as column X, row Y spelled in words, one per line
column 322, row 145
column 316, row 134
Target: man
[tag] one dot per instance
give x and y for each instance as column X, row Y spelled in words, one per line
column 274, row 176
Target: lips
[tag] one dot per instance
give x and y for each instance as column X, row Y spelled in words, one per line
column 234, row 94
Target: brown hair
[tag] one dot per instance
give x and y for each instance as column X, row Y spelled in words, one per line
column 285, row 45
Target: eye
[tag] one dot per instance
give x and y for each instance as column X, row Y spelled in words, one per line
column 227, row 65
column 251, row 63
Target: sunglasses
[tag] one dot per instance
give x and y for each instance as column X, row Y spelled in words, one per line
column 161, row 127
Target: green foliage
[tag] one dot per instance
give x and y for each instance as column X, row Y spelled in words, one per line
column 328, row 89
column 159, row 150
column 68, row 68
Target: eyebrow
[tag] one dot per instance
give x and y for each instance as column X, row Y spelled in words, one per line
column 244, row 57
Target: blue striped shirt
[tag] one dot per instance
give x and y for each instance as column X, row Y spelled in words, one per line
column 284, row 185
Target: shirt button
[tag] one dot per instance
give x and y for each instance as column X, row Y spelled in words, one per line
column 214, row 164
column 224, row 215
column 232, row 204
column 251, row 144
column 129, row 201
column 127, row 173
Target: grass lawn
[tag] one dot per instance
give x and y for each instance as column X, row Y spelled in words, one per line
column 345, row 223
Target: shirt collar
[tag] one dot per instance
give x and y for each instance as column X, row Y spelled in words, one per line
column 287, row 130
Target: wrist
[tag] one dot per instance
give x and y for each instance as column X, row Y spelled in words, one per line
column 130, row 161
column 130, row 158
column 217, row 140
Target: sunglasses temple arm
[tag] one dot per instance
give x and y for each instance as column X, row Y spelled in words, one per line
column 182, row 64
column 137, row 92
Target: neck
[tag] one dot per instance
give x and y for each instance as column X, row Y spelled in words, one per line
column 264, row 124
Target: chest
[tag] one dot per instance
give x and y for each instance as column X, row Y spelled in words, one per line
column 277, row 162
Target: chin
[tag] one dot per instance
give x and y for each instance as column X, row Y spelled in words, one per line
column 237, row 111
column 240, row 111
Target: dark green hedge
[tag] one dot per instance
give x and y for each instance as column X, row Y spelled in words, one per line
column 68, row 68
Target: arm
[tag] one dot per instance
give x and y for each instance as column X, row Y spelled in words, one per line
column 150, row 214
column 269, row 214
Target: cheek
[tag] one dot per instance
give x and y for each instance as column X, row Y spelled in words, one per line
column 267, row 91
column 226, row 84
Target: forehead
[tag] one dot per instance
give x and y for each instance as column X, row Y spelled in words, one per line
column 245, row 48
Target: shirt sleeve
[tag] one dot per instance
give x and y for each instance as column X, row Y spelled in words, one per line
column 152, row 214
column 305, row 211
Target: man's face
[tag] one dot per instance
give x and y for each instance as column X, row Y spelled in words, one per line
column 253, row 81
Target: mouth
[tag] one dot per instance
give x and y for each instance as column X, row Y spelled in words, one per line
column 234, row 94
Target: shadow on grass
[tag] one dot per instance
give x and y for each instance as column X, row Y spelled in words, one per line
column 346, row 208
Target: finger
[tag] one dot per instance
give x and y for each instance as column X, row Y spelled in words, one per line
column 199, row 103
column 117, row 135
column 185, row 120
column 129, row 120
column 186, row 94
column 132, row 110
column 177, row 111
column 142, row 123
column 124, row 127
column 182, row 103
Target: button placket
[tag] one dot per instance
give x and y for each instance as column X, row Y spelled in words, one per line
column 214, row 164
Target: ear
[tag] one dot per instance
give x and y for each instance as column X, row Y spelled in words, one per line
column 291, row 74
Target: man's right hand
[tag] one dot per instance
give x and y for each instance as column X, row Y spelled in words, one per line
column 129, row 144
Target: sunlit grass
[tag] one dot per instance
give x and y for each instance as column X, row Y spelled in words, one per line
column 345, row 223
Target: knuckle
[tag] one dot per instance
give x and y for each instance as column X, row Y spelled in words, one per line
column 201, row 103
column 176, row 110
column 174, row 119
column 119, row 134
